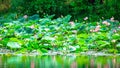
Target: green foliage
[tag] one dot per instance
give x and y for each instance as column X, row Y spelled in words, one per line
column 14, row 45
column 61, row 34
column 77, row 8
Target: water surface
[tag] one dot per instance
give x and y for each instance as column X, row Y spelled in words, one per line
column 47, row 61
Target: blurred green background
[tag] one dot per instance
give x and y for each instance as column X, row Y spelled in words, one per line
column 94, row 9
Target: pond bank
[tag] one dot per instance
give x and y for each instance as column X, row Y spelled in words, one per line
column 35, row 52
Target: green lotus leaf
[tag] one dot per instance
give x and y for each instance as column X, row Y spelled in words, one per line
column 118, row 45
column 13, row 45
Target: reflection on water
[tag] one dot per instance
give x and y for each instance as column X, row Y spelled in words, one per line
column 8, row 61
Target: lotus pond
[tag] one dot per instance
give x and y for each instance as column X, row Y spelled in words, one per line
column 54, row 42
column 29, row 33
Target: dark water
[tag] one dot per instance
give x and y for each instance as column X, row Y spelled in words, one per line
column 12, row 61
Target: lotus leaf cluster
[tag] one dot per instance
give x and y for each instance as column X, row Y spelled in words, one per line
column 61, row 34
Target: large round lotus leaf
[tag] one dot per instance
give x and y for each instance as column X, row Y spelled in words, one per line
column 116, row 36
column 48, row 38
column 118, row 45
column 13, row 45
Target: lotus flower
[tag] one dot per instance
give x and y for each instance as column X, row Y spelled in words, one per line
column 86, row 18
column 72, row 23
column 106, row 23
column 97, row 28
column 112, row 19
column 25, row 16
column 115, row 31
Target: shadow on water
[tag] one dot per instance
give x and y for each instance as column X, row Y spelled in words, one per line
column 12, row 61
